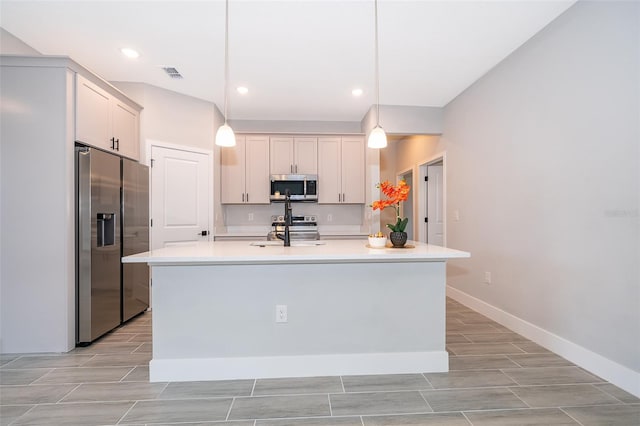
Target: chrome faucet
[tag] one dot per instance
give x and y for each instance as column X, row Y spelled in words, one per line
column 287, row 220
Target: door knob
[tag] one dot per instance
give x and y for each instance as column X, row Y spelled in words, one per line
column 204, row 233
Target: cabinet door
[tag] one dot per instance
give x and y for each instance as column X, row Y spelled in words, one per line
column 257, row 187
column 305, row 151
column 126, row 129
column 281, row 154
column 232, row 180
column 93, row 114
column 329, row 187
column 352, row 167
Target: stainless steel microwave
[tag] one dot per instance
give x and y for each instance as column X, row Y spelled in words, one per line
column 300, row 187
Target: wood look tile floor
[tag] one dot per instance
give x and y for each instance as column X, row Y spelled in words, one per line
column 496, row 377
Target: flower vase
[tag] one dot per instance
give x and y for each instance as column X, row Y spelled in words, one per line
column 398, row 239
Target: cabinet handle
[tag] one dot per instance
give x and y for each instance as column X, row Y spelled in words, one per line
column 113, row 143
column 296, row 168
column 339, row 199
column 344, row 199
column 247, row 197
column 117, row 144
column 290, row 168
column 243, row 197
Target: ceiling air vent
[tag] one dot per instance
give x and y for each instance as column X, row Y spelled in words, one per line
column 172, row 72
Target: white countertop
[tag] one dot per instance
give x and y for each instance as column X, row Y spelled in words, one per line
column 330, row 251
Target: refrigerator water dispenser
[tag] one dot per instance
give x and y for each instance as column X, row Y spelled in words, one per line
column 106, row 224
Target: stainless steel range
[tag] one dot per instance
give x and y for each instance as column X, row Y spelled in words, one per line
column 302, row 228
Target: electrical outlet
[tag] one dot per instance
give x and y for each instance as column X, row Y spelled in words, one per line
column 329, row 217
column 487, row 277
column 281, row 313
column 250, row 217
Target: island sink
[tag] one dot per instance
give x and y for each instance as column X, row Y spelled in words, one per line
column 301, row 243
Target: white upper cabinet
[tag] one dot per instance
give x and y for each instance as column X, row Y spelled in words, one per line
column 232, row 176
column 305, row 154
column 293, row 155
column 105, row 121
column 126, row 129
column 245, row 171
column 281, row 155
column 341, row 170
column 352, row 167
column 93, row 114
column 329, row 170
column 258, row 184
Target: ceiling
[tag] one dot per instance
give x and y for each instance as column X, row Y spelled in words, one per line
column 299, row 59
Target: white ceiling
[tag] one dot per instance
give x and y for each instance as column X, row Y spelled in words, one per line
column 299, row 59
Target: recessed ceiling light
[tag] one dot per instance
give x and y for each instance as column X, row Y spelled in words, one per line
column 242, row 90
column 129, row 52
column 356, row 92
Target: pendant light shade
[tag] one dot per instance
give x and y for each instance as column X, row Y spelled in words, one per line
column 377, row 137
column 225, row 135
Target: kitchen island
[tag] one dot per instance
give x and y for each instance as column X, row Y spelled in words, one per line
column 235, row 309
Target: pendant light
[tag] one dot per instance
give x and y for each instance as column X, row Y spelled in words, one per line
column 377, row 137
column 225, row 135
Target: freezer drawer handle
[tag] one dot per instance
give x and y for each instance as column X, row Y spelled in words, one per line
column 106, row 229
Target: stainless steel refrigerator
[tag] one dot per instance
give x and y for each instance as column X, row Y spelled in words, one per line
column 111, row 221
column 135, row 237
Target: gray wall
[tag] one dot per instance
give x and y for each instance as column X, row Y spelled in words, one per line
column 543, row 168
column 37, row 291
column 273, row 126
column 11, row 45
column 172, row 117
column 405, row 120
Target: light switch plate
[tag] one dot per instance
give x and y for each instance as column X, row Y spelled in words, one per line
column 281, row 313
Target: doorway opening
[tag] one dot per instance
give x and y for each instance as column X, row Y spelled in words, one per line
column 407, row 206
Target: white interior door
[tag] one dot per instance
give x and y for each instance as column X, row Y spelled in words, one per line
column 435, row 208
column 180, row 194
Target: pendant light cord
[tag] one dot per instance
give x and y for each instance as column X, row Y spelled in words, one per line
column 377, row 70
column 226, row 59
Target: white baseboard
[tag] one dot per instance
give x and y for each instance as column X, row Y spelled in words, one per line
column 619, row 375
column 194, row 369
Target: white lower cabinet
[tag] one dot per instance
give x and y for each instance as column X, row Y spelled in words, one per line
column 245, row 171
column 341, row 170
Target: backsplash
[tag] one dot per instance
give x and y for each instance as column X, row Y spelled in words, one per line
column 260, row 215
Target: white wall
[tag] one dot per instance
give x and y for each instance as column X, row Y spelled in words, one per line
column 543, row 163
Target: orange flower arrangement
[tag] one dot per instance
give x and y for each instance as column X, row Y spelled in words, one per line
column 395, row 195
